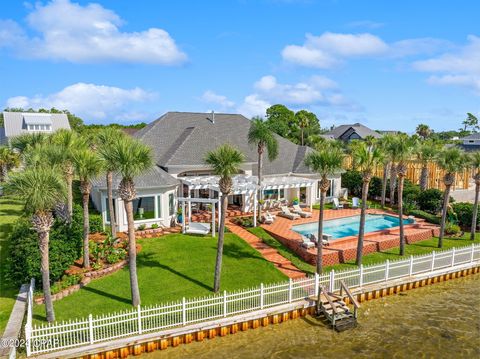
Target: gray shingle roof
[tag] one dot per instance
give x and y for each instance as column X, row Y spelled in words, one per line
column 361, row 130
column 15, row 122
column 183, row 139
column 473, row 136
column 155, row 177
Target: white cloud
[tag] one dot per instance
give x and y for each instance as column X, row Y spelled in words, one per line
column 89, row 101
column 253, row 105
column 460, row 68
column 368, row 24
column 86, row 34
column 220, row 100
column 329, row 49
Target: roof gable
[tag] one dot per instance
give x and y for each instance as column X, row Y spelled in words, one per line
column 15, row 123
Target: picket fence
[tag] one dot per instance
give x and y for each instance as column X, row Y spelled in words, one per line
column 143, row 319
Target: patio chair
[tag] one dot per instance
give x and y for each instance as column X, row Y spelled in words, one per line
column 298, row 210
column 267, row 218
column 355, row 202
column 325, row 240
column 287, row 214
column 307, row 243
column 270, row 214
column 337, row 204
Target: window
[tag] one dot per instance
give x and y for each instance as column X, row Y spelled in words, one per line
column 108, row 209
column 331, row 190
column 143, row 208
column 171, row 204
column 270, row 194
column 282, row 193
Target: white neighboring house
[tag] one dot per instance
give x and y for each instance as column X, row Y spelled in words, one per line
column 18, row 123
column 471, row 142
column 180, row 141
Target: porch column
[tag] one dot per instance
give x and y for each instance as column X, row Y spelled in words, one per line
column 189, row 207
column 184, row 217
column 312, row 196
column 255, row 209
column 213, row 219
column 219, row 206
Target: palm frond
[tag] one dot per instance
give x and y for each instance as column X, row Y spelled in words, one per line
column 225, row 160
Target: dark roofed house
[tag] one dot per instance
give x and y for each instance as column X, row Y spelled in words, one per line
column 471, row 142
column 180, row 141
column 346, row 133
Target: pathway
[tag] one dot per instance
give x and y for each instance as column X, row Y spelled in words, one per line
column 267, row 252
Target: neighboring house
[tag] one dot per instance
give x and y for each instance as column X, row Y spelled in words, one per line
column 346, row 133
column 471, row 142
column 180, row 141
column 17, row 123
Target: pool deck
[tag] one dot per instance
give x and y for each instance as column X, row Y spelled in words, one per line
column 345, row 249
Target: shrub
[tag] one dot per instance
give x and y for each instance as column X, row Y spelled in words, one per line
column 375, row 188
column 425, row 215
column 154, row 226
column 353, row 181
column 116, row 255
column 430, row 201
column 141, row 227
column 65, row 282
column 65, row 247
column 244, row 221
column 452, row 229
column 464, row 213
column 96, row 223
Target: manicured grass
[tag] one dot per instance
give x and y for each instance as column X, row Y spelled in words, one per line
column 10, row 210
column 423, row 247
column 169, row 268
column 284, row 251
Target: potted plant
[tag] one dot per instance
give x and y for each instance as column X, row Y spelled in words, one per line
column 295, row 201
column 180, row 215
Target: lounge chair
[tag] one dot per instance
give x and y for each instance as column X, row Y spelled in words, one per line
column 270, row 215
column 337, row 204
column 325, row 241
column 267, row 218
column 355, row 202
column 198, row 228
column 287, row 214
column 298, row 210
column 307, row 243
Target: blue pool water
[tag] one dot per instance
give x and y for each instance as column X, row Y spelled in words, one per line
column 348, row 226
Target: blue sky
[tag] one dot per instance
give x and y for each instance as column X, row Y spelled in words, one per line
column 389, row 65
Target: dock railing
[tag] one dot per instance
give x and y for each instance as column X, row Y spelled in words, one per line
column 43, row 338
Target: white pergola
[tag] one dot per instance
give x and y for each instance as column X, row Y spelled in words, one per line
column 242, row 184
column 189, row 200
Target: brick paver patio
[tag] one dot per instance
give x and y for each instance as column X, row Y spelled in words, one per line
column 344, row 249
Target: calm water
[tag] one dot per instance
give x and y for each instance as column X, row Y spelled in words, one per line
column 437, row 321
column 344, row 227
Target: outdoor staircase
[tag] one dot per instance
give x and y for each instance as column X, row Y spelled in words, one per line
column 335, row 312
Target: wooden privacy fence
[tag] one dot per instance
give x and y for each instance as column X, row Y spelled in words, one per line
column 93, row 329
column 435, row 174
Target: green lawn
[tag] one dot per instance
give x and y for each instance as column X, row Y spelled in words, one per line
column 423, row 247
column 10, row 210
column 170, row 268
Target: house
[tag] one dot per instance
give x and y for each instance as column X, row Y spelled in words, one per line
column 346, row 133
column 17, row 123
column 471, row 142
column 180, row 141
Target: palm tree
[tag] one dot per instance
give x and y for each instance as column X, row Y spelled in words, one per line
column 327, row 161
column 367, row 157
column 451, row 160
column 475, row 165
column 426, row 152
column 66, row 143
column 106, row 139
column 389, row 143
column 383, row 146
column 132, row 158
column 261, row 136
column 404, row 149
column 8, row 159
column 27, row 141
column 423, row 131
column 225, row 161
column 41, row 188
column 88, row 165
column 303, row 123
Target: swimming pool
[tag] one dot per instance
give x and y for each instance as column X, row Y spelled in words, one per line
column 348, row 226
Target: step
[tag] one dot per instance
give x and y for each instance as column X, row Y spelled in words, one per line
column 345, row 324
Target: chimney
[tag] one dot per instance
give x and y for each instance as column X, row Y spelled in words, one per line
column 213, row 117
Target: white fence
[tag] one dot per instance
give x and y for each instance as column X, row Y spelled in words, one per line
column 55, row 336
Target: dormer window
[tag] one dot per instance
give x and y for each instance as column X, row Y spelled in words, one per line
column 37, row 122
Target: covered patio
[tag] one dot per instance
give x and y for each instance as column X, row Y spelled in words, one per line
column 277, row 191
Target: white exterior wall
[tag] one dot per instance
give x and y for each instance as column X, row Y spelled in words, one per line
column 99, row 198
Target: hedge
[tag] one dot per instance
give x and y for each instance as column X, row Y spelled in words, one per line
column 425, row 215
column 464, row 212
